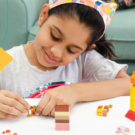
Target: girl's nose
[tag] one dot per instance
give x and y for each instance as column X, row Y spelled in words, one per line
column 57, row 51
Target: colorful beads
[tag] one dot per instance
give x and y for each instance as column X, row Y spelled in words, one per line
column 34, row 106
column 31, row 107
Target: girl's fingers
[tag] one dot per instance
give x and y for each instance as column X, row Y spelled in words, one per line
column 42, row 104
column 17, row 97
column 14, row 103
column 49, row 107
column 53, row 112
column 6, row 115
column 5, row 109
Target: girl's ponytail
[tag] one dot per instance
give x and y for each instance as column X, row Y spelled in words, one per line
column 104, row 47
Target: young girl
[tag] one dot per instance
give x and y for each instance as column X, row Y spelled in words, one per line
column 69, row 46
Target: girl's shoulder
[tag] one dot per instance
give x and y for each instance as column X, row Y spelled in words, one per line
column 14, row 51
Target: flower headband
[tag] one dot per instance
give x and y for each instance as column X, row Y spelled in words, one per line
column 106, row 10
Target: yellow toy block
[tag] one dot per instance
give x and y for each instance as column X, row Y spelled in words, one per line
column 99, row 114
column 99, row 110
column 132, row 98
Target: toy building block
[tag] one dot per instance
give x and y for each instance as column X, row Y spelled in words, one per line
column 62, row 126
column 131, row 113
column 103, row 110
column 8, row 132
column 32, row 111
column 62, row 117
column 123, row 131
column 106, row 107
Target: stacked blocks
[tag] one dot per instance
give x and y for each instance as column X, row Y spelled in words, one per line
column 32, row 111
column 131, row 113
column 103, row 110
column 62, row 117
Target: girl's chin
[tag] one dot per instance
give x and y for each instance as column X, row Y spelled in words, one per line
column 48, row 65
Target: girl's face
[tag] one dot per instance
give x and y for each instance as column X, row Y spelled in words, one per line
column 59, row 41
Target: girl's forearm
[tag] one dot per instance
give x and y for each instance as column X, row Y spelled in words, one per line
column 99, row 90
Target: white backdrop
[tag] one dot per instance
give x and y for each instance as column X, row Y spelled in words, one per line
column 83, row 120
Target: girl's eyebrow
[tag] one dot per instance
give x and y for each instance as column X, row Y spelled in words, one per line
column 64, row 36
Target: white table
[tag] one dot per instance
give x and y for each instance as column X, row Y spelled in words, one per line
column 83, row 120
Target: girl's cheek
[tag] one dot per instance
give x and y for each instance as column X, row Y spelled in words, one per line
column 43, row 40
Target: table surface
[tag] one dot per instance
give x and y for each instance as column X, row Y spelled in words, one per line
column 83, row 119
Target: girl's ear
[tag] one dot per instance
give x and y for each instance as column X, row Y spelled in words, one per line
column 43, row 14
column 93, row 46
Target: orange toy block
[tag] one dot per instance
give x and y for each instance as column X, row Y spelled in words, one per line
column 106, row 107
column 104, row 112
column 132, row 79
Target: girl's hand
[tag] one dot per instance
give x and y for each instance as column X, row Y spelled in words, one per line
column 12, row 105
column 62, row 95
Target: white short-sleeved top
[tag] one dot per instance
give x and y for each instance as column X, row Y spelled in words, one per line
column 21, row 77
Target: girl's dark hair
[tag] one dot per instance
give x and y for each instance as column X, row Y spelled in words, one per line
column 91, row 18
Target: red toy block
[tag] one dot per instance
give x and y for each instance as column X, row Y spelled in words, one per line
column 130, row 115
column 31, row 107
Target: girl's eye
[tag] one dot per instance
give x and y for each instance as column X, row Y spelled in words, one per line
column 70, row 51
column 54, row 37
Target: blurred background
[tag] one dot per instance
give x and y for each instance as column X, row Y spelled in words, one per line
column 22, row 27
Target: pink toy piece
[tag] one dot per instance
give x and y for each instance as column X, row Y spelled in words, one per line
column 119, row 131
column 127, row 130
column 62, row 127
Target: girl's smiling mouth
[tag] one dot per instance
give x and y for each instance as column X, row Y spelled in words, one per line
column 48, row 58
